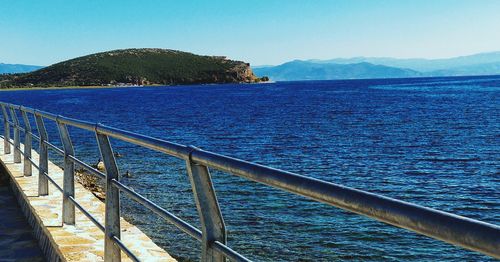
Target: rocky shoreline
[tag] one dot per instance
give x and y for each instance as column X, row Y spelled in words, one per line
column 91, row 182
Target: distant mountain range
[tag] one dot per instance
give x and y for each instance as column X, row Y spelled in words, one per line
column 382, row 67
column 352, row 68
column 17, row 68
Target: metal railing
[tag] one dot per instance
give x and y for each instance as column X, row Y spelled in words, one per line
column 465, row 232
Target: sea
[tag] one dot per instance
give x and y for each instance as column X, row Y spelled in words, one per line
column 430, row 141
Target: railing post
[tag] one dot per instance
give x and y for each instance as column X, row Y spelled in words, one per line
column 69, row 174
column 43, row 182
column 6, row 131
column 27, row 143
column 17, row 137
column 212, row 223
column 112, row 215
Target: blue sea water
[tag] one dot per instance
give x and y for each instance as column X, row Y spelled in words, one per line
column 431, row 141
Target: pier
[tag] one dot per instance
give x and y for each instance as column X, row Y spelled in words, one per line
column 70, row 223
column 17, row 241
column 81, row 241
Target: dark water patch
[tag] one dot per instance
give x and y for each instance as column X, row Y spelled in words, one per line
column 449, row 159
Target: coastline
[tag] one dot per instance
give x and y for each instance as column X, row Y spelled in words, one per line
column 68, row 87
column 116, row 86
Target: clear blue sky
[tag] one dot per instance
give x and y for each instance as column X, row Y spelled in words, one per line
column 260, row 32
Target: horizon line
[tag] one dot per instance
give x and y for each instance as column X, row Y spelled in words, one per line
column 268, row 65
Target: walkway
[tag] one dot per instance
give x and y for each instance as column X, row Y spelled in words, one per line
column 82, row 241
column 17, row 242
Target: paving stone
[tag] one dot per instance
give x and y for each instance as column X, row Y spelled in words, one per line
column 17, row 242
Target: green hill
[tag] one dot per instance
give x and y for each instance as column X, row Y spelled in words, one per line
column 136, row 66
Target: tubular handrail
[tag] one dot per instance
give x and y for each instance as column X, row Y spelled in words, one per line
column 465, row 232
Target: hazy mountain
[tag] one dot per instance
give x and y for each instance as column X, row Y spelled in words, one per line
column 305, row 70
column 17, row 68
column 478, row 64
column 420, row 64
column 479, row 69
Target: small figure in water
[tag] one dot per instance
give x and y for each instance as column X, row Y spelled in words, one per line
column 127, row 174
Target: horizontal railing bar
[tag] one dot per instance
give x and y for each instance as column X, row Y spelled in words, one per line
column 45, row 114
column 471, row 234
column 22, row 129
column 166, row 147
column 53, row 182
column 228, row 252
column 131, row 137
column 19, row 127
column 10, row 142
column 184, row 226
column 82, row 209
column 31, row 133
column 57, row 149
column 87, row 167
column 187, row 228
column 77, row 161
column 22, row 153
column 29, row 158
column 37, row 167
column 125, row 249
column 462, row 231
column 175, row 220
column 28, row 109
column 35, row 136
column 32, row 162
column 181, row 224
column 77, row 123
column 87, row 214
column 73, row 200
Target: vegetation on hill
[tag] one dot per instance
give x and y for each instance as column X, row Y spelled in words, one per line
column 136, row 67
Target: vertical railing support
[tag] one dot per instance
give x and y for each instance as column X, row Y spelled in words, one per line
column 17, row 135
column 43, row 182
column 6, row 131
column 112, row 215
column 27, row 143
column 212, row 223
column 69, row 174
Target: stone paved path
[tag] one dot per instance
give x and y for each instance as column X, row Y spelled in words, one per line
column 17, row 242
column 82, row 241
